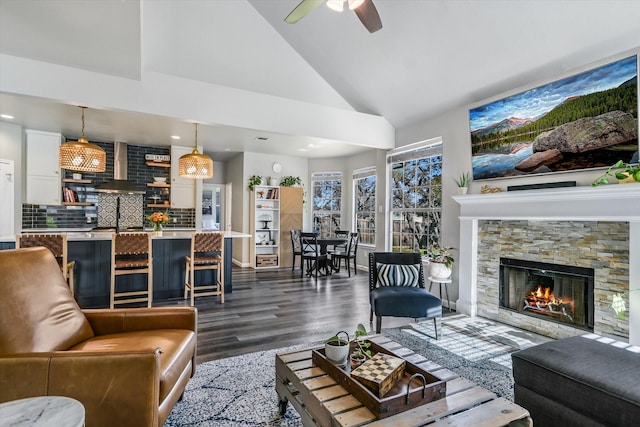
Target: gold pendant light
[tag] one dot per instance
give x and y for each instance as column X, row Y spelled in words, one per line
column 195, row 165
column 82, row 156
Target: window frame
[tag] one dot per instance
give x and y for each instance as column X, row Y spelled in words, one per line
column 358, row 175
column 332, row 178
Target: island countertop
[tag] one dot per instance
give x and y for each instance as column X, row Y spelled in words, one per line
column 76, row 234
column 91, row 251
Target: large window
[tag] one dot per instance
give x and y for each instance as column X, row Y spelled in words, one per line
column 416, row 197
column 327, row 199
column 364, row 204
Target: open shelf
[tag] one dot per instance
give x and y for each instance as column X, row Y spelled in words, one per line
column 157, row 205
column 159, row 184
column 77, row 204
column 159, row 164
column 77, row 181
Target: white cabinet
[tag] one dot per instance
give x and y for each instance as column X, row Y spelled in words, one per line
column 183, row 190
column 265, row 227
column 43, row 172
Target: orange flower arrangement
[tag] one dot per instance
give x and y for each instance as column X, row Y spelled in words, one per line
column 158, row 219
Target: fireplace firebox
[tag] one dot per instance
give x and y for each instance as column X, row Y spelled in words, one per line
column 553, row 292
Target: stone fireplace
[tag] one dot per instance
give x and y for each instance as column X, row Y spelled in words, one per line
column 585, row 228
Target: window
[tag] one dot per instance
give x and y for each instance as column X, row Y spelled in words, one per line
column 327, row 199
column 364, row 204
column 416, row 196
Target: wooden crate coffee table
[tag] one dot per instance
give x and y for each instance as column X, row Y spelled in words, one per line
column 320, row 401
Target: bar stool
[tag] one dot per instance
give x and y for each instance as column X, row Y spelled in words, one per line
column 441, row 282
column 207, row 253
column 131, row 254
column 57, row 244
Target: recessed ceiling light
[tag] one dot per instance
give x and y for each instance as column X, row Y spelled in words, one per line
column 175, row 137
column 302, row 149
column 227, row 149
column 7, row 116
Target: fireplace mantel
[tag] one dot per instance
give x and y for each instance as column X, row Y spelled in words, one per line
column 604, row 203
column 616, row 202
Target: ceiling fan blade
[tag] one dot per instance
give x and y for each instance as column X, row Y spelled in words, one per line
column 368, row 15
column 301, row 10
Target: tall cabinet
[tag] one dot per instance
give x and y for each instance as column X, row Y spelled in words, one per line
column 265, row 227
column 291, row 206
column 43, row 173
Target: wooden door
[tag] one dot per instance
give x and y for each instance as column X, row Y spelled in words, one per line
column 290, row 219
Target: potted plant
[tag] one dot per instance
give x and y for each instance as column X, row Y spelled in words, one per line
column 463, row 182
column 360, row 347
column 337, row 349
column 622, row 171
column 253, row 181
column 441, row 260
column 290, row 181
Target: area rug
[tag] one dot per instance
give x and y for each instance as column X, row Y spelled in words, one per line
column 240, row 391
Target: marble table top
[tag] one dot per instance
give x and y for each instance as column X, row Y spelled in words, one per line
column 42, row 411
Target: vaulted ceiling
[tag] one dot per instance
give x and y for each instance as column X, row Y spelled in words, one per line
column 430, row 56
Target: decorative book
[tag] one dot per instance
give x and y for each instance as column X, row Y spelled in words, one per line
column 380, row 373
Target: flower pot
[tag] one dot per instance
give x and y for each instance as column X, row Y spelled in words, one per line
column 337, row 351
column 439, row 271
column 463, row 190
column 273, row 182
column 356, row 360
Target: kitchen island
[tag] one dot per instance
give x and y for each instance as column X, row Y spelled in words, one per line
column 91, row 250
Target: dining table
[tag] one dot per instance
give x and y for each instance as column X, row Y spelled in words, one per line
column 324, row 243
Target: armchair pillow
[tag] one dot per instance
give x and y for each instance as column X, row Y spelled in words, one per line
column 398, row 274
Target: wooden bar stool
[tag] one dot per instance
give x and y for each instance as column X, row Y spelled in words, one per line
column 207, row 253
column 57, row 244
column 131, row 254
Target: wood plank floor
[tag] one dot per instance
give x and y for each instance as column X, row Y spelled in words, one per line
column 276, row 308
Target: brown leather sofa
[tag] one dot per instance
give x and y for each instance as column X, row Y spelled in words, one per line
column 128, row 367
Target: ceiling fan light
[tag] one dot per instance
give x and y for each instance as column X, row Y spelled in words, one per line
column 353, row 4
column 337, row 5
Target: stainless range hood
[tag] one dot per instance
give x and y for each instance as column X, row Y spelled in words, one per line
column 120, row 184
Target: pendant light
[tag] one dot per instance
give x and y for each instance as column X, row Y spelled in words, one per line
column 81, row 155
column 195, row 165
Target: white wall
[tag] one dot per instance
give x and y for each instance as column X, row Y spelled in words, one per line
column 453, row 127
column 11, row 149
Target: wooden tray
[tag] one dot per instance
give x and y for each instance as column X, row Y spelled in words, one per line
column 396, row 400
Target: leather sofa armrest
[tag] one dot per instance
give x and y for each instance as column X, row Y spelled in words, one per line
column 115, row 321
column 116, row 388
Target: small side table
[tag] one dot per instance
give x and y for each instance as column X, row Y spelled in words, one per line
column 42, row 411
column 441, row 282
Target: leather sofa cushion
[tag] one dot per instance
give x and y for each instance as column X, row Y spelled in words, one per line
column 587, row 374
column 37, row 315
column 177, row 347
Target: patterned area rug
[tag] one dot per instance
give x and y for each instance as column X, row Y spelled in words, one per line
column 240, row 391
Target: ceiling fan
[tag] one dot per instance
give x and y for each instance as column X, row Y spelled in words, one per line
column 364, row 9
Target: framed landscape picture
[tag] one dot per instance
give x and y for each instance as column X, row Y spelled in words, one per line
column 589, row 120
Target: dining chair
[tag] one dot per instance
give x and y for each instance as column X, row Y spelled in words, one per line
column 131, row 253
column 347, row 255
column 57, row 244
column 311, row 253
column 396, row 288
column 207, row 253
column 296, row 248
column 341, row 234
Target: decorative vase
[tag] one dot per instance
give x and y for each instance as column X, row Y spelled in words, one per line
column 273, row 182
column 337, row 351
column 463, row 190
column 439, row 270
column 157, row 229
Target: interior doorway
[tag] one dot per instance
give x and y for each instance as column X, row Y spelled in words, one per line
column 213, row 202
column 6, row 197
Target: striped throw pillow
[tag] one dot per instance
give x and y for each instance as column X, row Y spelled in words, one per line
column 398, row 274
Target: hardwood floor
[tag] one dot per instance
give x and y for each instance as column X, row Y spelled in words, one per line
column 276, row 308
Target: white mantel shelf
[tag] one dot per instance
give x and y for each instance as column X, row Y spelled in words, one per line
column 614, row 202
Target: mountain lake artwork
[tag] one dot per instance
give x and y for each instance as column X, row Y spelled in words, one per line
column 589, row 120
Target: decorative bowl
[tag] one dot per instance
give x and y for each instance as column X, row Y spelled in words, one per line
column 160, row 179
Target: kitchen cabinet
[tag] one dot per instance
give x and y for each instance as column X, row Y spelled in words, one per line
column 183, row 190
column 42, row 170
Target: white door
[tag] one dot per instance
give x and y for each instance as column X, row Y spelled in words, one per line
column 6, row 197
column 213, row 202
